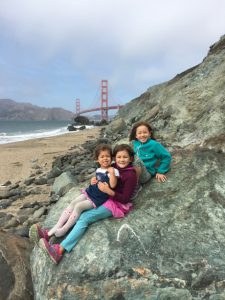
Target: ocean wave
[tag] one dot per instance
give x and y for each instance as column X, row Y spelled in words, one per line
column 5, row 139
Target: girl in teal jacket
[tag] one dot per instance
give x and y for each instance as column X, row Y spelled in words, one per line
column 153, row 157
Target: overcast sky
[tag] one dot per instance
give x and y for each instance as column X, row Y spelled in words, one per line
column 54, row 51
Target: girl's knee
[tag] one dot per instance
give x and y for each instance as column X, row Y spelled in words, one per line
column 138, row 171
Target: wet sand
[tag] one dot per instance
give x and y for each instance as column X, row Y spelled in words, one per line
column 17, row 159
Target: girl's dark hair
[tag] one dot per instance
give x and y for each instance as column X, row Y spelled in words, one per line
column 123, row 147
column 102, row 147
column 134, row 129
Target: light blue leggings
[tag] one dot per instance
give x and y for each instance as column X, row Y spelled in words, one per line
column 88, row 217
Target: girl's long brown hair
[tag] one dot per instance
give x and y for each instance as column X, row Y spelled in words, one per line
column 132, row 136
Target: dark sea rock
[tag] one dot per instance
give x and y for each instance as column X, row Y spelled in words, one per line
column 81, row 120
column 72, row 128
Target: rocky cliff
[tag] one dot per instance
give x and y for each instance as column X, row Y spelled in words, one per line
column 172, row 245
column 190, row 108
column 11, row 110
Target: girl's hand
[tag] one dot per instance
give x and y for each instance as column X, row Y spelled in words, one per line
column 103, row 187
column 94, row 180
column 160, row 177
column 111, row 170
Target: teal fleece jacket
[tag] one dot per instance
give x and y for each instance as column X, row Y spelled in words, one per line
column 150, row 153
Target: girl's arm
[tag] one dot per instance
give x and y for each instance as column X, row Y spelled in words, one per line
column 104, row 187
column 94, row 180
column 165, row 158
column 112, row 177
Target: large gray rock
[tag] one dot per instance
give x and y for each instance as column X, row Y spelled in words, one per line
column 15, row 275
column 64, row 183
column 170, row 244
column 116, row 126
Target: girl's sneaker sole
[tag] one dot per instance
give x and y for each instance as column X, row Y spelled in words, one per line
column 33, row 234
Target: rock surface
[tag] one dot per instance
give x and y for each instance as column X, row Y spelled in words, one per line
column 173, row 238
column 15, row 276
column 171, row 246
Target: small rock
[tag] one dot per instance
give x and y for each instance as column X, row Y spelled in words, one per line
column 36, row 167
column 55, row 172
column 4, row 194
column 22, row 231
column 13, row 222
column 5, row 203
column 38, row 213
column 40, row 181
column 29, row 181
column 7, row 183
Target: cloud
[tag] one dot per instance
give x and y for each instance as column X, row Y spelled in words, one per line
column 133, row 43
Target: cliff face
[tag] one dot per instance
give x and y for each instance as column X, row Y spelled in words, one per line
column 171, row 246
column 190, row 108
column 11, row 110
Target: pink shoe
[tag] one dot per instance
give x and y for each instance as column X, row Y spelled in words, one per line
column 52, row 250
column 36, row 233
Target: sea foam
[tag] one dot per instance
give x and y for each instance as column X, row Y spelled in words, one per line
column 19, row 136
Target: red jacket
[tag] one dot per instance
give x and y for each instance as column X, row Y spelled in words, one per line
column 126, row 184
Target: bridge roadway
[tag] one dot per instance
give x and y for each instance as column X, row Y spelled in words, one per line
column 100, row 108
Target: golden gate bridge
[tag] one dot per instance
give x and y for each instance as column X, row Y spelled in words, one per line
column 104, row 103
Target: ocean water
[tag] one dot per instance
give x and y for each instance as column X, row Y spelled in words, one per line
column 15, row 131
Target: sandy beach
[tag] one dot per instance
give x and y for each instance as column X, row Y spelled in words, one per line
column 16, row 159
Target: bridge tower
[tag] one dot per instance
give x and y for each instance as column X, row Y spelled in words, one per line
column 104, row 100
column 77, row 107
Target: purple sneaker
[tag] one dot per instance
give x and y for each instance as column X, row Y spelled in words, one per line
column 53, row 250
column 36, row 233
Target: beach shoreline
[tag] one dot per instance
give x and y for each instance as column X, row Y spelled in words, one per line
column 17, row 159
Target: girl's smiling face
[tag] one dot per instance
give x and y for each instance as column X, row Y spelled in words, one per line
column 104, row 159
column 123, row 159
column 142, row 134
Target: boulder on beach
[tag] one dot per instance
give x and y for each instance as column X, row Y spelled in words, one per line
column 15, row 275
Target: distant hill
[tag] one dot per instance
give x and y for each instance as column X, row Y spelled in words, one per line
column 12, row 110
